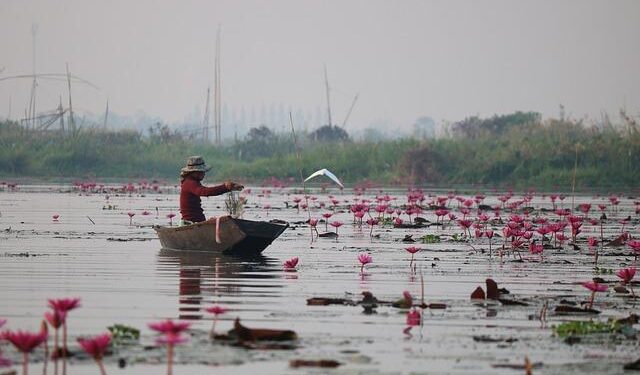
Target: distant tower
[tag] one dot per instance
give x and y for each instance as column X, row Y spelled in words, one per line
column 205, row 121
column 217, row 113
column 31, row 113
column 326, row 81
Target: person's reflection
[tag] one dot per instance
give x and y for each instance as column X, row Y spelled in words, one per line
column 206, row 278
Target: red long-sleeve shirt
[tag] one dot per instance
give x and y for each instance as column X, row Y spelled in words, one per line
column 190, row 204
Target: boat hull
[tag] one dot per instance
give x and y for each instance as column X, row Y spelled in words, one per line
column 235, row 237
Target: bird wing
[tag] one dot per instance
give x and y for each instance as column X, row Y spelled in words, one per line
column 325, row 172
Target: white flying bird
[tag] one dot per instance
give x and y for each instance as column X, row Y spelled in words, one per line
column 325, row 172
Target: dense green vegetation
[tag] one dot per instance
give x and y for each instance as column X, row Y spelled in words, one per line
column 513, row 150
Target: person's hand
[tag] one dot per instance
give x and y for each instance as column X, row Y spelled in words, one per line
column 230, row 185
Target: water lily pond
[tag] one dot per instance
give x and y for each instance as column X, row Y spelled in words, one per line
column 349, row 317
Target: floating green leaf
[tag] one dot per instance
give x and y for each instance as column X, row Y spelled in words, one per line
column 122, row 334
column 430, row 238
column 586, row 327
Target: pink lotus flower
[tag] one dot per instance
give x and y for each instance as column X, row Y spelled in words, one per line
column 635, row 246
column 146, row 213
column 64, row 304
column 171, row 337
column 441, row 212
column 627, row 274
column 170, row 216
column 372, row 222
column 483, row 217
column 594, row 287
column 364, row 258
column 131, row 215
column 215, row 310
column 561, row 237
column 56, row 318
column 96, row 347
column 55, row 217
column 465, row 224
column 313, row 222
column 169, row 326
column 413, row 318
column 517, row 244
column 535, row 248
column 407, row 296
column 326, row 217
column 412, row 250
column 336, row 224
column 25, row 342
column 291, row 263
column 593, row 241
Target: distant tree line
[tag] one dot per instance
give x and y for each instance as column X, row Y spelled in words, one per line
column 518, row 149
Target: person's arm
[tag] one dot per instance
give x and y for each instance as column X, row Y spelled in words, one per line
column 205, row 191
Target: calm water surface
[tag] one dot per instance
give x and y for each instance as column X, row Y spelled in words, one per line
column 122, row 276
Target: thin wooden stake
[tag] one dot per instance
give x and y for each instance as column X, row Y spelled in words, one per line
column 573, row 184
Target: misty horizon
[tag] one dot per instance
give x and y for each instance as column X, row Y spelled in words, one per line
column 406, row 60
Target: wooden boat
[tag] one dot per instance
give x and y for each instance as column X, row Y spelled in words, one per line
column 235, row 236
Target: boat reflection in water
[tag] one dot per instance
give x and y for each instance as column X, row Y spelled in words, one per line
column 206, row 279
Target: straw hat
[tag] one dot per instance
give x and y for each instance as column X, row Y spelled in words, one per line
column 195, row 164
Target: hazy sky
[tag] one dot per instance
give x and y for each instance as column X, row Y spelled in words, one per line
column 445, row 59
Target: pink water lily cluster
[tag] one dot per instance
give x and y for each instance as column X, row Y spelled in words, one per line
column 25, row 341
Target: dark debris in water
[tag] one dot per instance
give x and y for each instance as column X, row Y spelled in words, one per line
column 489, row 339
column 129, row 239
column 517, row 366
column 322, row 363
column 245, row 334
column 26, row 254
column 569, row 310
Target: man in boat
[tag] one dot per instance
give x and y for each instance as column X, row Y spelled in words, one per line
column 191, row 189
